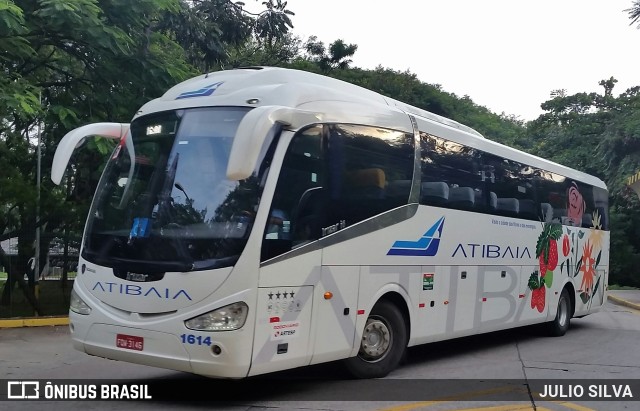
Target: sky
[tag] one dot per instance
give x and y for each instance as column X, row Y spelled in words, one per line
column 506, row 55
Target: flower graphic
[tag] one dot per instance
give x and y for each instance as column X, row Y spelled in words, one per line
column 587, row 268
column 595, row 221
column 597, row 234
column 575, row 204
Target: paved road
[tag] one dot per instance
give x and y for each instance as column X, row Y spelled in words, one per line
column 603, row 345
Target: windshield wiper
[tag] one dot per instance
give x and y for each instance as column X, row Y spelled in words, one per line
column 138, row 266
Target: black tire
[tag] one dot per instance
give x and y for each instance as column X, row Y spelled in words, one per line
column 559, row 326
column 383, row 343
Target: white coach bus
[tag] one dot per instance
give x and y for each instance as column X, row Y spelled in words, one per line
column 261, row 219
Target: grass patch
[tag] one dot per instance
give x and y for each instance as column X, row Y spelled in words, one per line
column 53, row 299
column 616, row 287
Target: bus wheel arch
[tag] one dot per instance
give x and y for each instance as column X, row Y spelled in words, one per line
column 384, row 339
column 564, row 311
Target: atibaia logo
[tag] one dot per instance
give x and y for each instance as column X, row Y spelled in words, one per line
column 427, row 245
column 203, row 92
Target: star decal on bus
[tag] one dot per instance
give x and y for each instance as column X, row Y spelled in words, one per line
column 427, row 245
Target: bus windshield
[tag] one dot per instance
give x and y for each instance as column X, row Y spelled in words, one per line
column 164, row 202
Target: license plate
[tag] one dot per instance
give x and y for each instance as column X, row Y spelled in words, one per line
column 129, row 342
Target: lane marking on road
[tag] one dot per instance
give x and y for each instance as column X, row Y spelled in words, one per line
column 508, row 407
column 460, row 397
column 574, row 406
column 474, row 394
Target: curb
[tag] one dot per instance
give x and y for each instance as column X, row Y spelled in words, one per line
column 34, row 322
column 620, row 301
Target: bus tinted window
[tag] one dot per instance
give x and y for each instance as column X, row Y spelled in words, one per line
column 337, row 176
column 513, row 186
column 460, row 177
column 370, row 171
column 450, row 175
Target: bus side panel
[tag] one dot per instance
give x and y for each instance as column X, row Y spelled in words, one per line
column 283, row 315
column 592, row 300
column 380, row 280
column 599, row 259
column 433, row 304
column 599, row 294
column 463, row 300
column 283, row 329
column 299, row 270
column 535, row 306
column 334, row 314
column 498, row 297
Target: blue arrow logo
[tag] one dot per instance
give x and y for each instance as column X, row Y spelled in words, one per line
column 203, row 92
column 427, row 245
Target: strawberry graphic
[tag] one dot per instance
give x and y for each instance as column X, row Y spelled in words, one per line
column 538, row 299
column 538, row 293
column 543, row 265
column 552, row 261
column 565, row 245
column 547, row 247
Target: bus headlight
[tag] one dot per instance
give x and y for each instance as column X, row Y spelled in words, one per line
column 77, row 304
column 227, row 318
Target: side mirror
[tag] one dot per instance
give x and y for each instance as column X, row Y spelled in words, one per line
column 75, row 138
column 251, row 134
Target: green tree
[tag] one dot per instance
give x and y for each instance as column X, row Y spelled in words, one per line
column 63, row 64
column 257, row 53
column 71, row 62
column 220, row 33
column 406, row 87
column 600, row 134
column 337, row 56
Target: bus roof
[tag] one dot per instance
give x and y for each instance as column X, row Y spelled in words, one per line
column 278, row 86
column 264, row 86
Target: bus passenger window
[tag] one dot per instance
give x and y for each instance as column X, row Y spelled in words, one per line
column 367, row 183
column 370, row 172
column 463, row 198
column 451, row 175
column 434, row 193
column 547, row 212
column 508, row 207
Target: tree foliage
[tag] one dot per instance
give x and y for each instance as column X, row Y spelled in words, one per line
column 65, row 63
column 337, row 56
column 599, row 134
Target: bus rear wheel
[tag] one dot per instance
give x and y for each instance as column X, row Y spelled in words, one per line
column 383, row 343
column 559, row 326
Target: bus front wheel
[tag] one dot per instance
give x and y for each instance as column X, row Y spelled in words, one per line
column 559, row 325
column 383, row 343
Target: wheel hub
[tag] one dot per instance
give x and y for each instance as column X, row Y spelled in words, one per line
column 376, row 340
